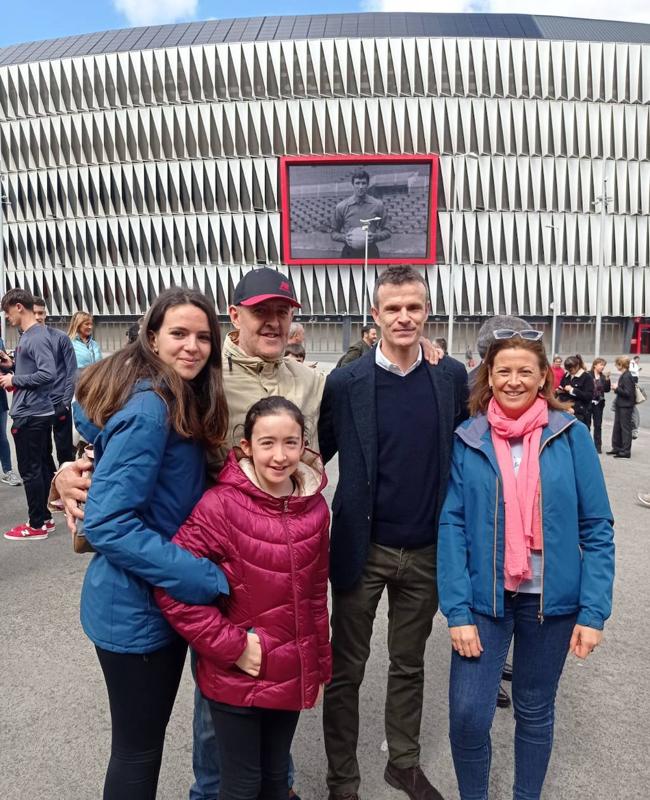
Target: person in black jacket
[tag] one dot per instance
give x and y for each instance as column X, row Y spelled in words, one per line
column 625, row 401
column 577, row 387
column 390, row 416
column 360, row 348
column 457, row 371
column 602, row 386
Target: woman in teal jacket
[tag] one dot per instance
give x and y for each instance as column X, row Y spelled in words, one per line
column 525, row 551
column 151, row 410
column 80, row 332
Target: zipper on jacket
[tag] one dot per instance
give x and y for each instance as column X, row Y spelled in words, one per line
column 285, row 509
column 494, row 556
column 540, row 611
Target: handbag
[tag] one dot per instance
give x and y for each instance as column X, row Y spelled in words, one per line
column 639, row 394
column 79, row 542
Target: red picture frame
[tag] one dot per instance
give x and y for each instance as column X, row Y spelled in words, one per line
column 286, row 162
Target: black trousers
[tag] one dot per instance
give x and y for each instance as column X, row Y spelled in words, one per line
column 254, row 745
column 595, row 414
column 622, row 432
column 62, row 433
column 31, row 437
column 141, row 693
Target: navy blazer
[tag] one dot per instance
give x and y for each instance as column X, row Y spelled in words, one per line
column 456, row 369
column 348, row 426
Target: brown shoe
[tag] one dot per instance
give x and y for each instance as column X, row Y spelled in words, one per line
column 344, row 796
column 412, row 781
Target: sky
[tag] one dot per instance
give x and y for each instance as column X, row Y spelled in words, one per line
column 30, row 20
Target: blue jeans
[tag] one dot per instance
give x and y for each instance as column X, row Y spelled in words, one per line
column 538, row 659
column 5, row 451
column 205, row 758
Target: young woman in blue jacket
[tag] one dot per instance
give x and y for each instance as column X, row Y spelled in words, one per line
column 152, row 411
column 525, row 550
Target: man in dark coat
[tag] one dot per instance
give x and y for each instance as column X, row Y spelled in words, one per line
column 390, row 416
column 360, row 348
column 456, row 369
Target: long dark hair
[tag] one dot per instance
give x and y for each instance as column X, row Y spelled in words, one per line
column 481, row 394
column 197, row 408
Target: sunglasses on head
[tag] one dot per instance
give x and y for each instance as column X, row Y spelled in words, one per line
column 508, row 333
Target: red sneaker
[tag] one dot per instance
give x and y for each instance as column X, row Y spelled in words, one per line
column 49, row 525
column 21, row 533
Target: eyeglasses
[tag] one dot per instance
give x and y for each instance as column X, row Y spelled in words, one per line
column 528, row 335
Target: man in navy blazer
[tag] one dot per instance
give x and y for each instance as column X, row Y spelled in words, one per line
column 390, row 416
column 457, row 371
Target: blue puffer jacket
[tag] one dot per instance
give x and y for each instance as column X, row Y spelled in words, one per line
column 87, row 353
column 147, row 479
column 578, row 537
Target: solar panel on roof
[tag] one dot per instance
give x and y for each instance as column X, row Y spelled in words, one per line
column 530, row 27
column 328, row 25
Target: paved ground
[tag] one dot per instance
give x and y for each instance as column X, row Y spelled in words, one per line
column 54, row 725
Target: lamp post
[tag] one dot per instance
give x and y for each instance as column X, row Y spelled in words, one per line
column 555, row 306
column 604, row 200
column 365, row 226
column 452, row 261
column 3, row 272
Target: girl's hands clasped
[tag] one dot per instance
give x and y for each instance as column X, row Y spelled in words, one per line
column 250, row 661
column 466, row 641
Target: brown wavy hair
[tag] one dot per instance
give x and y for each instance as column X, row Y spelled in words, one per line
column 197, row 408
column 481, row 393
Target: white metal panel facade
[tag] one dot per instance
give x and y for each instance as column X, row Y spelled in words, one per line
column 131, row 171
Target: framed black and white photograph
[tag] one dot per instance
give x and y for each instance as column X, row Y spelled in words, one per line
column 336, row 207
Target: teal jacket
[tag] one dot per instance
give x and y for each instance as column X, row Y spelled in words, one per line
column 146, row 481
column 578, row 537
column 87, row 353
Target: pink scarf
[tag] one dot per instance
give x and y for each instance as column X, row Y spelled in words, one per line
column 521, row 491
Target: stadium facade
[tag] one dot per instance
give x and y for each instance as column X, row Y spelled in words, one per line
column 137, row 159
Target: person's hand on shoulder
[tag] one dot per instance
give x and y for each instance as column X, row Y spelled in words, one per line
column 429, row 352
column 70, row 486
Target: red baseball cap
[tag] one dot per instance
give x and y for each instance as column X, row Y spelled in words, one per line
column 263, row 284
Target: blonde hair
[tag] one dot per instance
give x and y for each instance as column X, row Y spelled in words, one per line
column 78, row 319
column 623, row 363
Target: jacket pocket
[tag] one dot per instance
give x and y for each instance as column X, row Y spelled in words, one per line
column 264, row 648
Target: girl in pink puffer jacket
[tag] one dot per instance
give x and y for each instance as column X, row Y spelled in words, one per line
column 263, row 652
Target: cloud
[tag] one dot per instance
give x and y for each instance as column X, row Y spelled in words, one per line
column 628, row 10
column 156, row 12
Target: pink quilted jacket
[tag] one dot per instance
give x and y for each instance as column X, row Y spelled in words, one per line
column 275, row 554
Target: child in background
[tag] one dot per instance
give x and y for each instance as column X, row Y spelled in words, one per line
column 263, row 653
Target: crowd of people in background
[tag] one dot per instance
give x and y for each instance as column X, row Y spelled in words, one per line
column 210, row 532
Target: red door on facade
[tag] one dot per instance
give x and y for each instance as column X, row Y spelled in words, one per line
column 641, row 338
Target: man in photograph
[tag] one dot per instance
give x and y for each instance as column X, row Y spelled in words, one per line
column 348, row 216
